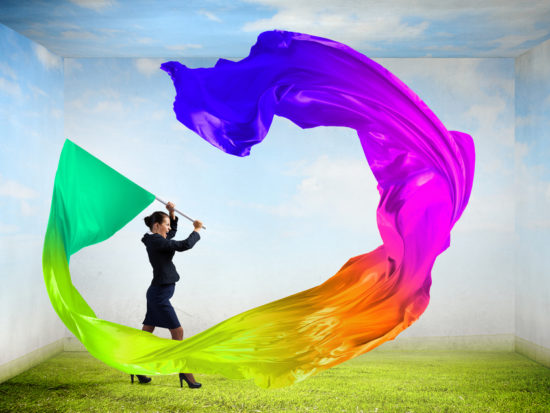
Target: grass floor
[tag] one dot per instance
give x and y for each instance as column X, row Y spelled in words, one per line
column 380, row 381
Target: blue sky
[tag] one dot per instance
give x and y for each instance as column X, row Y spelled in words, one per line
column 533, row 142
column 533, row 192
column 303, row 202
column 533, row 108
column 31, row 113
column 279, row 221
column 400, row 28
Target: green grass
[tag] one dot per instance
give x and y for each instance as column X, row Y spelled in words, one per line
column 375, row 382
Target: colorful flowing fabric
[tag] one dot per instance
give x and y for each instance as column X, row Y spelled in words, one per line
column 424, row 175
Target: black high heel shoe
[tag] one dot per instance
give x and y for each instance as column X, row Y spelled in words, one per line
column 183, row 377
column 142, row 379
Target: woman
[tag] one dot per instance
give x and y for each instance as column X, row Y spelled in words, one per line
column 161, row 248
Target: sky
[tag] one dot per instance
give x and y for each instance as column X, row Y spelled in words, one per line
column 290, row 215
column 533, row 193
column 31, row 113
column 400, row 28
column 31, row 129
column 280, row 221
column 533, row 140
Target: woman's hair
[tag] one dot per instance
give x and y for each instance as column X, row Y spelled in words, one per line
column 156, row 217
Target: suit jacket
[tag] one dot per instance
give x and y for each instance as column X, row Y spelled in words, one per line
column 161, row 251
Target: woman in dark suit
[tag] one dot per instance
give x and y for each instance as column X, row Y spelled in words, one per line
column 161, row 248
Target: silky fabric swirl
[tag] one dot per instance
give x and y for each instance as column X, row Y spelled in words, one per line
column 424, row 175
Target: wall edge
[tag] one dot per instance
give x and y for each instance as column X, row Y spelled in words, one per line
column 19, row 365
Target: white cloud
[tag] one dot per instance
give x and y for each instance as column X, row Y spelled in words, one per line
column 449, row 48
column 515, row 40
column 57, row 113
column 177, row 126
column 468, row 80
column 489, row 126
column 533, row 192
column 37, row 91
column 60, row 24
column 148, row 66
column 527, row 120
column 71, row 65
column 111, row 32
column 144, row 40
column 138, row 100
column 528, row 66
column 78, row 35
column 47, row 58
column 13, row 189
column 482, row 213
column 158, row 115
column 27, row 209
column 88, row 98
column 484, row 94
column 334, row 190
column 8, row 71
column 367, row 22
column 8, row 228
column 10, row 88
column 490, row 95
column 210, row 16
column 75, row 104
column 96, row 5
column 521, row 149
column 532, row 171
column 109, row 106
column 34, row 33
column 348, row 23
column 107, row 92
column 539, row 224
column 183, row 47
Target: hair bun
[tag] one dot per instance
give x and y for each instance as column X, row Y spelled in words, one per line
column 147, row 221
column 156, row 217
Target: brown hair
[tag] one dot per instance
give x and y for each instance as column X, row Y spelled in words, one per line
column 156, row 217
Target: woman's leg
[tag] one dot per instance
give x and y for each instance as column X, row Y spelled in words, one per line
column 148, row 328
column 142, row 378
column 177, row 334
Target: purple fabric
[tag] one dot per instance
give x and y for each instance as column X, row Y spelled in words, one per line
column 424, row 171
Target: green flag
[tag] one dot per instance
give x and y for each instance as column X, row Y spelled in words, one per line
column 96, row 200
column 90, row 202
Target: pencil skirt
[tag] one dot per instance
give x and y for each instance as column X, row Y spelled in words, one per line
column 160, row 312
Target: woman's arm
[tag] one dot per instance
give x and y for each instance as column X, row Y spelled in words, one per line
column 170, row 206
column 164, row 244
column 173, row 227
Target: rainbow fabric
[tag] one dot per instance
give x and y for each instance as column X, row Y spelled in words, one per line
column 424, row 175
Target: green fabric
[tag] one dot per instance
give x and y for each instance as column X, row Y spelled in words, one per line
column 277, row 344
column 95, row 199
column 90, row 202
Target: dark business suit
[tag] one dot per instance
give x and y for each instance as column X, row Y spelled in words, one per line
column 161, row 251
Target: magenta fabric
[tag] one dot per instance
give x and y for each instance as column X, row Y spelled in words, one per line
column 424, row 171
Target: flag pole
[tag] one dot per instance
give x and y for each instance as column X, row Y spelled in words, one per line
column 178, row 211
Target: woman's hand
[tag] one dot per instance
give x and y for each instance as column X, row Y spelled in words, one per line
column 170, row 207
column 198, row 225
